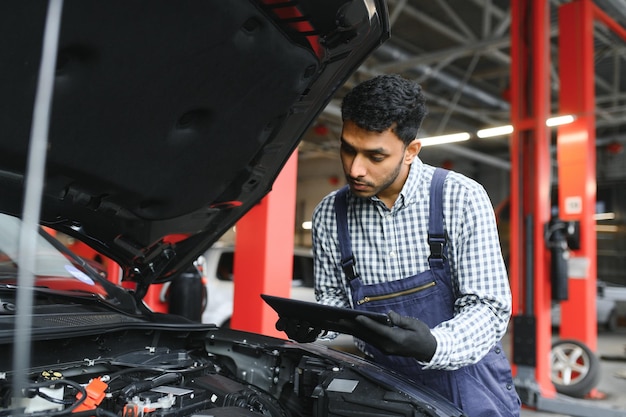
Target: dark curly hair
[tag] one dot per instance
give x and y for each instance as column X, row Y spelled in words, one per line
column 386, row 101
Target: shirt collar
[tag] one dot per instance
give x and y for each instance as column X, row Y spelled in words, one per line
column 409, row 189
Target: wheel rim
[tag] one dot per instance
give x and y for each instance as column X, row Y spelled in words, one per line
column 570, row 364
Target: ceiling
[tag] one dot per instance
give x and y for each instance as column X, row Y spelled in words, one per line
column 459, row 51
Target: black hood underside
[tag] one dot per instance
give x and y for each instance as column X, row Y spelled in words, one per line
column 170, row 118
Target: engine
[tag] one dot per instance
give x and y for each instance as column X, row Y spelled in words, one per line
column 173, row 374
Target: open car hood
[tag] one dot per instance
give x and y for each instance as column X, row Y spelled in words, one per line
column 170, row 120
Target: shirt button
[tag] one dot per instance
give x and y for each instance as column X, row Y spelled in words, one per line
column 498, row 350
column 509, row 387
column 392, row 254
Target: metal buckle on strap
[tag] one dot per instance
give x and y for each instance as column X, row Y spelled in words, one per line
column 436, row 243
column 348, row 268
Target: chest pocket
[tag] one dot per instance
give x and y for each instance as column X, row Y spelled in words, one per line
column 424, row 296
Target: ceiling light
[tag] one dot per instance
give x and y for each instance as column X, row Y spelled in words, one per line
column 438, row 140
column 604, row 216
column 560, row 120
column 495, row 131
column 605, row 228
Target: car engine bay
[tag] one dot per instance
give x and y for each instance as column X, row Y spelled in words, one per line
column 218, row 372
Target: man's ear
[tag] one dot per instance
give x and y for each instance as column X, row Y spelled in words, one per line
column 412, row 150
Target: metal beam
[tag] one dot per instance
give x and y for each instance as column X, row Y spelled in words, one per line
column 483, row 46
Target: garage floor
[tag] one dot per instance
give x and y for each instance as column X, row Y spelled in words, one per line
column 612, row 353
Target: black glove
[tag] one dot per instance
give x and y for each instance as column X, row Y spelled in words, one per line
column 300, row 331
column 408, row 336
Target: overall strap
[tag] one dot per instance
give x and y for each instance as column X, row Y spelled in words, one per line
column 436, row 234
column 345, row 246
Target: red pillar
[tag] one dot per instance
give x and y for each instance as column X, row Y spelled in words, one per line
column 576, row 155
column 530, row 189
column 264, row 254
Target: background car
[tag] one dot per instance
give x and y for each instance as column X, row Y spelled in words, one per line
column 217, row 267
column 607, row 307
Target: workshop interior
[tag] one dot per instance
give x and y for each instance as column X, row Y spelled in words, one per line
column 160, row 163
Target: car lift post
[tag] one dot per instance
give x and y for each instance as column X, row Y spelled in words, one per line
column 576, row 155
column 530, row 198
column 264, row 245
column 530, row 192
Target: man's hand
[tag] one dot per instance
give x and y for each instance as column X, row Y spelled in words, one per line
column 408, row 336
column 300, row 331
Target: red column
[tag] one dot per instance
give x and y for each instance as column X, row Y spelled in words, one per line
column 264, row 254
column 577, row 161
column 530, row 184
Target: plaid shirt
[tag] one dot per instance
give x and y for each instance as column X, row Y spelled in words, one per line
column 391, row 244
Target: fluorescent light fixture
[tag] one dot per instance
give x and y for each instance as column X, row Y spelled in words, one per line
column 307, row 225
column 606, row 228
column 438, row 140
column 559, row 120
column 495, row 131
column 604, row 216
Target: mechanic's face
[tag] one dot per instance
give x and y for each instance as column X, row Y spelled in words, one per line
column 375, row 164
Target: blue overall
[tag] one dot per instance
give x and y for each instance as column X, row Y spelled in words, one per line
column 484, row 389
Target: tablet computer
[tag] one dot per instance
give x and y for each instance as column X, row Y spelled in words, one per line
column 325, row 317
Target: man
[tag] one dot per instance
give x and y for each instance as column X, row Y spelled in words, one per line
column 419, row 244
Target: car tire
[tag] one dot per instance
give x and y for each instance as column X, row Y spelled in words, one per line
column 575, row 368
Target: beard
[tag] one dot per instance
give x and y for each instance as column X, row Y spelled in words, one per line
column 371, row 189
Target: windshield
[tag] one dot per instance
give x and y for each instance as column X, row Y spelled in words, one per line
column 55, row 267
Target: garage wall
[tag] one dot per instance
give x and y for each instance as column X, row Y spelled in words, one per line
column 316, row 178
column 611, row 160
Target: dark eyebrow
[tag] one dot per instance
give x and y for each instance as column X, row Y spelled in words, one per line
column 370, row 151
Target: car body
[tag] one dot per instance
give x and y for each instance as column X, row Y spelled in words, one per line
column 89, row 337
column 616, row 295
column 609, row 299
column 216, row 265
column 145, row 130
